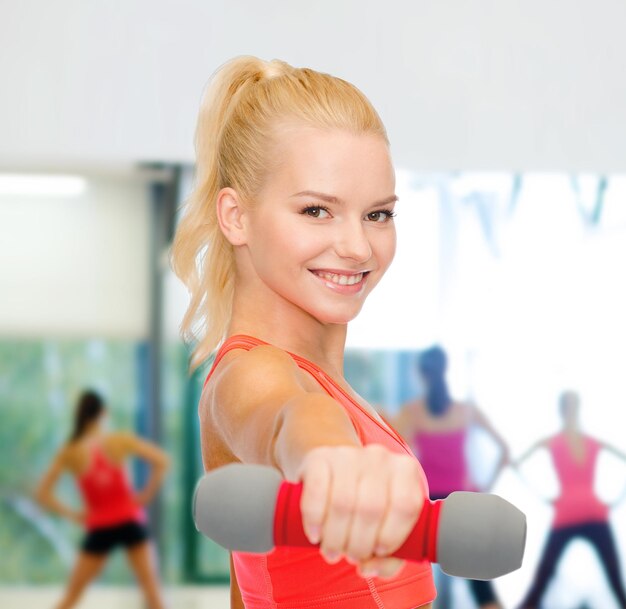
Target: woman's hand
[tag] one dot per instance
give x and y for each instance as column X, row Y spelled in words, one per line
column 361, row 503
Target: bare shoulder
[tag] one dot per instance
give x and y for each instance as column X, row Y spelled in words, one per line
column 420, row 404
column 68, row 458
column 410, row 418
column 416, row 404
column 120, row 438
column 65, row 456
column 469, row 410
column 250, row 376
column 468, row 406
column 120, row 444
column 265, row 365
column 415, row 407
column 242, row 397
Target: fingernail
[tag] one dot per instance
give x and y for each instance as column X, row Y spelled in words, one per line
column 331, row 556
column 313, row 534
column 381, row 551
column 369, row 572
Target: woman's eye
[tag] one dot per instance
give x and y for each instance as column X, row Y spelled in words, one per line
column 316, row 211
column 380, row 216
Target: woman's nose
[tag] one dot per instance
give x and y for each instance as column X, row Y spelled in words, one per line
column 352, row 242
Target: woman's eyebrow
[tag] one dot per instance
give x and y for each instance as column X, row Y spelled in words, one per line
column 336, row 200
column 390, row 199
column 318, row 195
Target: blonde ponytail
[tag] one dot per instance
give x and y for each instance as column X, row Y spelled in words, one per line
column 245, row 101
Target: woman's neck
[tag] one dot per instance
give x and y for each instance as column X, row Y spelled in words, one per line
column 325, row 347
column 571, row 429
column 323, row 350
column 92, row 433
column 288, row 327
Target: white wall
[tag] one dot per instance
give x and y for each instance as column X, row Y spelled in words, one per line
column 463, row 84
column 76, row 266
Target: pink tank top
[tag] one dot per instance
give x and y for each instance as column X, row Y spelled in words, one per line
column 577, row 502
column 107, row 493
column 290, row 578
column 442, row 455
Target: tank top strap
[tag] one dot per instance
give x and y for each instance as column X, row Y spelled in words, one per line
column 243, row 341
column 237, row 341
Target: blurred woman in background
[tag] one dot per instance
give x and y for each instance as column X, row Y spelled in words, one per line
column 436, row 427
column 113, row 512
column 578, row 513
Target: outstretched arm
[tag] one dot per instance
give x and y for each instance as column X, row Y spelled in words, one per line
column 157, row 458
column 480, row 419
column 516, row 465
column 620, row 455
column 517, row 462
column 358, row 501
column 614, row 451
column 44, row 493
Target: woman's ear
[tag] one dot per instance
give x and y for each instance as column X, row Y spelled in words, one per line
column 230, row 216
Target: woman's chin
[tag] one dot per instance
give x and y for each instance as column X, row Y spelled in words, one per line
column 335, row 317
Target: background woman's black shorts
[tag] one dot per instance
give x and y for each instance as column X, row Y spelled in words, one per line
column 127, row 534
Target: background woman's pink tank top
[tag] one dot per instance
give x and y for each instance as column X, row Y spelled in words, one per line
column 296, row 578
column 442, row 455
column 577, row 502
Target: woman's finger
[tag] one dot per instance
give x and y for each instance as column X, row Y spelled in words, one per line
column 380, row 567
column 370, row 509
column 406, row 499
column 340, row 508
column 316, row 478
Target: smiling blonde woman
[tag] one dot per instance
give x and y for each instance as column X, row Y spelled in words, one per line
column 289, row 227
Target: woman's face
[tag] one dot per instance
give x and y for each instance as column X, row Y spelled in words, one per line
column 321, row 233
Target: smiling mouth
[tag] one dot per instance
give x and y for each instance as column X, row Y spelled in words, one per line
column 341, row 278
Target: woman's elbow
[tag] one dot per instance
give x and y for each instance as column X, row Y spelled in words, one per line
column 165, row 463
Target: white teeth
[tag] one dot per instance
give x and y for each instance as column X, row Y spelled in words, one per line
column 341, row 279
